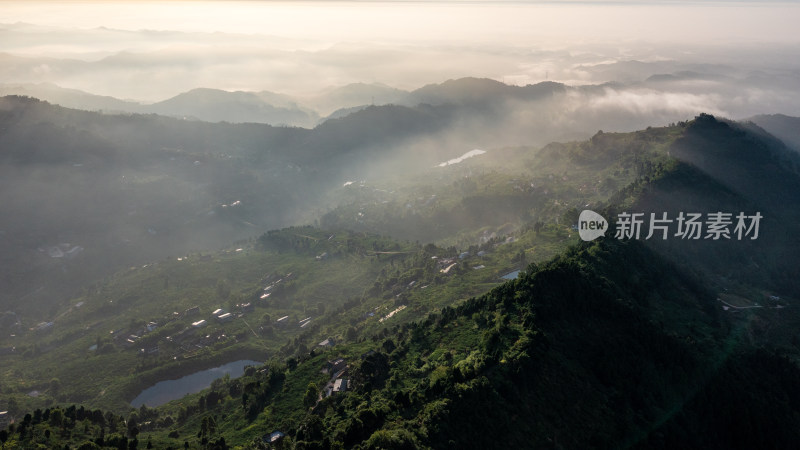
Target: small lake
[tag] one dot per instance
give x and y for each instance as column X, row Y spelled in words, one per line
column 168, row 390
column 510, row 275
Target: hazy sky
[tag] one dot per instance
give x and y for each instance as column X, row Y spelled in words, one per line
column 431, row 21
column 152, row 50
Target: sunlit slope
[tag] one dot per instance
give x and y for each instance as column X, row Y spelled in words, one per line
column 502, row 189
column 112, row 191
column 573, row 352
column 137, row 327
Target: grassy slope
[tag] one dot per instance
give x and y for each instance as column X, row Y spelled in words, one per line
column 608, row 345
column 346, row 285
column 572, row 354
column 535, row 184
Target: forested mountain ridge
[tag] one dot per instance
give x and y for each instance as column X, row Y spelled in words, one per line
column 611, row 344
column 728, row 167
column 571, row 354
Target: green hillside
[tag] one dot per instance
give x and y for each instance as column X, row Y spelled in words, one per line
column 644, row 343
column 344, row 281
column 576, row 352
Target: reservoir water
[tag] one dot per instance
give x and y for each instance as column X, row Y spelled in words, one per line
column 168, row 390
column 511, row 275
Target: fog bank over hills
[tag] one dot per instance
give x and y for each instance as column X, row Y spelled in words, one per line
column 634, row 88
column 565, row 111
column 297, row 63
column 738, row 59
column 276, row 105
column 85, row 193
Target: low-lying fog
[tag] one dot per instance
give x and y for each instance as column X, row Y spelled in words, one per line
column 734, row 58
column 128, row 190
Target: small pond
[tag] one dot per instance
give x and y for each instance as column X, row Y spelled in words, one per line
column 168, row 390
column 511, row 275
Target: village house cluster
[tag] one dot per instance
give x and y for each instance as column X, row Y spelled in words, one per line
column 187, row 341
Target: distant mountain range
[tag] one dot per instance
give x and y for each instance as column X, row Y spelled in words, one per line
column 70, row 98
column 481, row 104
column 216, row 105
column 538, row 107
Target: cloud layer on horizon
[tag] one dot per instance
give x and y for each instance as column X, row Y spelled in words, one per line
column 745, row 61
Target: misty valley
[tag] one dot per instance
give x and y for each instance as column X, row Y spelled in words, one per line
column 173, row 279
column 215, row 236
